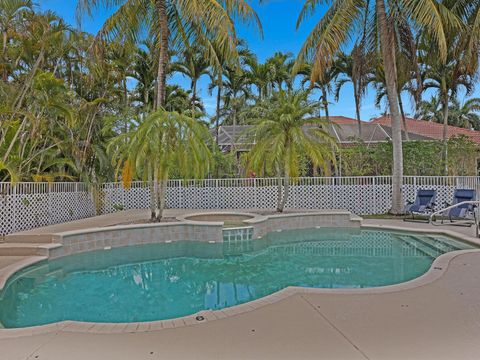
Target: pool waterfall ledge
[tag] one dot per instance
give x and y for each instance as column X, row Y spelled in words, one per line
column 130, row 235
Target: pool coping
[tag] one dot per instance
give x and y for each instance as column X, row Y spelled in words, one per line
column 436, row 271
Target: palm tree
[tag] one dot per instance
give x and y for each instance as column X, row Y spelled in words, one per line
column 430, row 110
column 175, row 24
column 447, row 77
column 261, row 75
column 465, row 115
column 341, row 20
column 179, row 100
column 404, row 83
column 352, row 68
column 11, row 11
column 324, row 86
column 194, row 65
column 166, row 142
column 281, row 65
column 227, row 68
column 144, row 63
column 286, row 133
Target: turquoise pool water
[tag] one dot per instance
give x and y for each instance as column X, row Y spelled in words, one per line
column 162, row 281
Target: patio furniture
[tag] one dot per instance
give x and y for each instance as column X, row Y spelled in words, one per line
column 424, row 204
column 464, row 211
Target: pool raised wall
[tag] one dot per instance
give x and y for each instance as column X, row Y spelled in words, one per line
column 79, row 241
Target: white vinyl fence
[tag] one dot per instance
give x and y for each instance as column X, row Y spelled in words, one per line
column 28, row 205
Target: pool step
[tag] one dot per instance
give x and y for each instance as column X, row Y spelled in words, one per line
column 453, row 244
column 413, row 243
column 435, row 243
column 26, row 249
column 30, row 238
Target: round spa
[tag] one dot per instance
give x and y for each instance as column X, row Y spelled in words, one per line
column 170, row 280
column 229, row 219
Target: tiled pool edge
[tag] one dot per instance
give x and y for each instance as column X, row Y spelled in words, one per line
column 79, row 241
column 436, row 271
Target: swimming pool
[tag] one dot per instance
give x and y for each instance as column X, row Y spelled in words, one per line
column 169, row 280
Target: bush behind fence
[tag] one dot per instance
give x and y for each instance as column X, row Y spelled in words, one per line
column 28, row 205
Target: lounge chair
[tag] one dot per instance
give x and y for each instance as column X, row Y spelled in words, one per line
column 461, row 212
column 424, row 204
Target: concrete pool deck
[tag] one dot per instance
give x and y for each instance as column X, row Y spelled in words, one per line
column 437, row 320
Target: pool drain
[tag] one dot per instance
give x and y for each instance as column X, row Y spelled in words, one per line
column 199, row 318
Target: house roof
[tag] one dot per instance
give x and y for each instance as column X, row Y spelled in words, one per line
column 429, row 129
column 344, row 130
column 343, row 120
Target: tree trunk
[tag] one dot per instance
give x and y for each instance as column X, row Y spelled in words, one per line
column 445, row 131
column 405, row 128
column 194, row 97
column 153, row 190
column 217, row 111
column 388, row 57
column 161, row 86
column 279, row 189
column 4, row 57
column 325, row 105
column 357, row 109
column 286, row 190
column 161, row 199
column 234, row 136
column 19, row 101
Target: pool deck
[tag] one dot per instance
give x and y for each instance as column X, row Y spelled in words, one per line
column 439, row 319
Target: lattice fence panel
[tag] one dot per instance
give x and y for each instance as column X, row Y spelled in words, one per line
column 136, row 198
column 8, row 214
column 68, row 206
column 112, row 198
column 29, row 205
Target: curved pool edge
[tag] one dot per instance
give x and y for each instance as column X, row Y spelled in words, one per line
column 438, row 268
column 116, row 236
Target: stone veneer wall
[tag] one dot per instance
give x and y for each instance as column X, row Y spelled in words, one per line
column 75, row 242
column 302, row 221
column 119, row 236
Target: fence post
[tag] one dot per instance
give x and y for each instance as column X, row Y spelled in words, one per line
column 14, row 208
column 414, row 187
column 49, row 202
column 217, row 195
column 375, row 207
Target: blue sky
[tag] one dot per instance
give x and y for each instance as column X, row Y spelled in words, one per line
column 278, row 18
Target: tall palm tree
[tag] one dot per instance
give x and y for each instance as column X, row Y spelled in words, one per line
column 194, row 65
column 217, row 74
column 404, row 84
column 448, row 77
column 342, row 19
column 11, row 11
column 281, row 65
column 262, row 76
column 175, row 24
column 324, row 86
column 166, row 142
column 285, row 136
column 352, row 68
column 144, row 63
